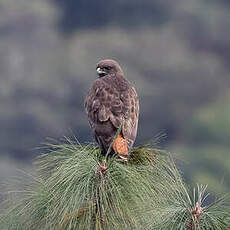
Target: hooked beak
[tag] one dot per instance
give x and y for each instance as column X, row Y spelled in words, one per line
column 100, row 71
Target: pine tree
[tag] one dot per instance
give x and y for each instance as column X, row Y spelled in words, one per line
column 147, row 192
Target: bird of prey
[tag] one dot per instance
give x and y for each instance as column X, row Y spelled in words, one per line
column 112, row 105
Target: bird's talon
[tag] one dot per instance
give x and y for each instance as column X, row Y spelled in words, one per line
column 122, row 158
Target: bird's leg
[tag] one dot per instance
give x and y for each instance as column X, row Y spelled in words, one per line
column 120, row 148
column 101, row 168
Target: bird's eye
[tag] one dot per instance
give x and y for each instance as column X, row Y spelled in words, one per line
column 108, row 67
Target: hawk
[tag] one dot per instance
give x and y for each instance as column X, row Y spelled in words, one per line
column 112, row 105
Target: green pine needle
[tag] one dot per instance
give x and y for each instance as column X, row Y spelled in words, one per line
column 147, row 192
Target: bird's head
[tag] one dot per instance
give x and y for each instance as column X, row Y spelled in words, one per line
column 108, row 67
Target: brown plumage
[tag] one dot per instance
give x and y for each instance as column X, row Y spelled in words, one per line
column 113, row 101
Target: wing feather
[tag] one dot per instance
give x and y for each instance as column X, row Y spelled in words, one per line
column 106, row 103
column 131, row 115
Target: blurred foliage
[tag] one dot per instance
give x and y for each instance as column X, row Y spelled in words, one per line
column 87, row 14
column 207, row 149
column 175, row 52
column 210, row 125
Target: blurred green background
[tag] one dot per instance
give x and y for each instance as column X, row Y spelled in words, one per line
column 177, row 53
